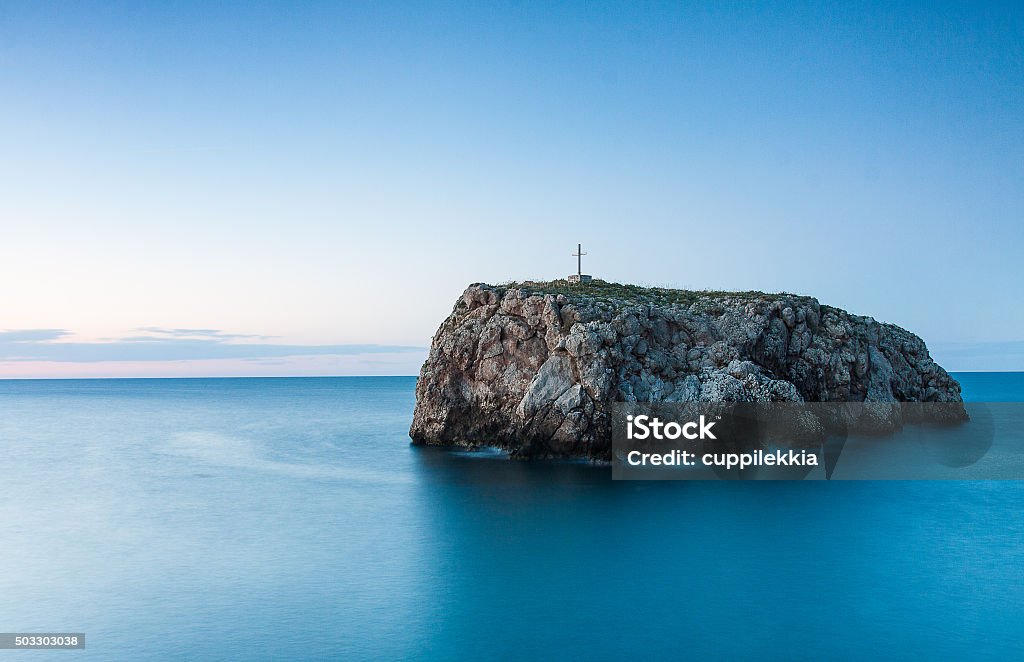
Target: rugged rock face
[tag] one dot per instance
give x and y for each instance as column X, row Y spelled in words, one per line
column 534, row 368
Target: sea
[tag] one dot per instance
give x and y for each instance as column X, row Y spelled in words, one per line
column 290, row 519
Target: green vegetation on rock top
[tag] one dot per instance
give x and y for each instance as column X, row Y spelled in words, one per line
column 618, row 293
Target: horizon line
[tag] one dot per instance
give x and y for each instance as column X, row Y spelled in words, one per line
column 79, row 379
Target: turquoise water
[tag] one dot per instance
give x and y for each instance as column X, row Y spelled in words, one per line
column 290, row 518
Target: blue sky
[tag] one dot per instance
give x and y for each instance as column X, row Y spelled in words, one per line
column 330, row 176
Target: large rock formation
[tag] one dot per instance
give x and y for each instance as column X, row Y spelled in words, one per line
column 535, row 368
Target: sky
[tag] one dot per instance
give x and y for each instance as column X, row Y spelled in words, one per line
column 217, row 189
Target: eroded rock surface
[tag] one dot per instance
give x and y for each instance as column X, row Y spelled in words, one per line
column 534, row 369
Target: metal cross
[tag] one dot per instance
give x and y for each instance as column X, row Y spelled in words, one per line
column 579, row 259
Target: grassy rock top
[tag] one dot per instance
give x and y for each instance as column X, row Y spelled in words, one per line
column 624, row 294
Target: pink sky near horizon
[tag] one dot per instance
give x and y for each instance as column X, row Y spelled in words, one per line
column 376, row 364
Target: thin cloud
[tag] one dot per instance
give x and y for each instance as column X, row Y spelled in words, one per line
column 195, row 333
column 176, row 345
column 31, row 335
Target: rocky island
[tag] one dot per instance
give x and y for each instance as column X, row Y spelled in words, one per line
column 534, row 368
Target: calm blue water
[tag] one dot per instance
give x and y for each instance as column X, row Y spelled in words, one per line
column 290, row 518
